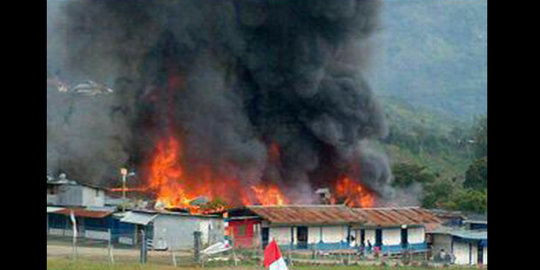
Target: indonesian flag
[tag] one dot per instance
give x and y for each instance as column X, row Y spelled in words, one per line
column 272, row 257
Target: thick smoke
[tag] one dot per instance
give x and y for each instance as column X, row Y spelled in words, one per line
column 232, row 78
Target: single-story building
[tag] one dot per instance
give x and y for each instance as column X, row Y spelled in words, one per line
column 467, row 246
column 175, row 230
column 92, row 223
column 330, row 227
column 66, row 192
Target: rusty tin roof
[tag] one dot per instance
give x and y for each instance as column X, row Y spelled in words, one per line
column 306, row 214
column 392, row 216
column 340, row 214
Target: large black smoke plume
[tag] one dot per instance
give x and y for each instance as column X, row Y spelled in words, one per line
column 233, row 78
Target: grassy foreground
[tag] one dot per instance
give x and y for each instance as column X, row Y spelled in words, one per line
column 66, row 264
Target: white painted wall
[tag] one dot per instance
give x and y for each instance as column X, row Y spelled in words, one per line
column 391, row 237
column 370, row 235
column 416, row 235
column 461, row 251
column 93, row 197
column 334, row 234
column 54, row 231
column 101, row 235
column 281, row 234
column 474, row 255
column 314, row 235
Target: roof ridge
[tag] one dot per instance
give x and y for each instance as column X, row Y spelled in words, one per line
column 301, row 205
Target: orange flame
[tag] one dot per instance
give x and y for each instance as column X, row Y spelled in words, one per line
column 270, row 195
column 353, row 193
column 174, row 188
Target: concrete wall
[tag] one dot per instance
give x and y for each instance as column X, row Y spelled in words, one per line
column 212, row 230
column 93, row 197
column 77, row 195
column 442, row 241
column 461, row 252
column 70, row 195
column 176, row 232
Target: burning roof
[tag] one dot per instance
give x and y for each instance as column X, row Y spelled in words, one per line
column 340, row 214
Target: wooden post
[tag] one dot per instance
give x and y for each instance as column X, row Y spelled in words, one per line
column 233, row 244
column 143, row 254
column 197, row 246
column 110, row 247
column 172, row 253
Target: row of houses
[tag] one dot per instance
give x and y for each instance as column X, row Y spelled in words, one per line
column 391, row 230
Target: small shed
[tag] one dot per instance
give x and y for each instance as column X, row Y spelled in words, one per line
column 243, row 228
column 468, row 247
column 175, row 230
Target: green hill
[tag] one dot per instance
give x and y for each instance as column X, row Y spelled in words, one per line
column 433, row 54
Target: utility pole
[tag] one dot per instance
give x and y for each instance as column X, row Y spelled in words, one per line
column 123, row 172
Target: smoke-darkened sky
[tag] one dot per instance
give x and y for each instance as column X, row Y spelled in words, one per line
column 231, row 78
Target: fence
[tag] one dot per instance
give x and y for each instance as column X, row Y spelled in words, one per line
column 121, row 246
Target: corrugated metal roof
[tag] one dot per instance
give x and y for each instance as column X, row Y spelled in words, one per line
column 340, row 214
column 462, row 233
column 78, row 212
column 138, row 218
column 306, row 214
column 392, row 216
column 52, row 209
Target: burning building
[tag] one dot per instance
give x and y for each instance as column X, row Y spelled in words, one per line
column 238, row 102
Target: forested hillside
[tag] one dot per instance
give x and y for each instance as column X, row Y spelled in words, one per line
column 430, row 73
column 433, row 54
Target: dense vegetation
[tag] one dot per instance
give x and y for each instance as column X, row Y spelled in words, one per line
column 430, row 73
column 447, row 158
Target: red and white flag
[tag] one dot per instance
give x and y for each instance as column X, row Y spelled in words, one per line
column 272, row 257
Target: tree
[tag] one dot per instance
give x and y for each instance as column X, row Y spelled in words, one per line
column 437, row 194
column 405, row 174
column 480, row 140
column 470, row 200
column 476, row 175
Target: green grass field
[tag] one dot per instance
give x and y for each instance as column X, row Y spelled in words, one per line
column 65, row 264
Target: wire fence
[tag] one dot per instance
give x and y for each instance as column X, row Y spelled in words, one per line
column 127, row 246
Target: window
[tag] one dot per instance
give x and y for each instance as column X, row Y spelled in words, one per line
column 97, row 192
